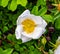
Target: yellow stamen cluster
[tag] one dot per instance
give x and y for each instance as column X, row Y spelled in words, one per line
column 28, row 25
column 58, row 7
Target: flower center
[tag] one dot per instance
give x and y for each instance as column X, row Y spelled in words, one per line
column 28, row 25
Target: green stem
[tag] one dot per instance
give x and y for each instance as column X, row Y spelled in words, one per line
column 50, row 45
column 55, row 4
column 36, row 46
column 53, row 44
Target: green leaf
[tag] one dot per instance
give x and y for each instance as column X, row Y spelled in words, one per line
column 42, row 11
column 14, row 18
column 41, row 2
column 0, row 2
column 43, row 40
column 35, row 10
column 0, row 32
column 5, row 28
column 17, row 47
column 57, row 23
column 1, row 51
column 8, row 51
column 13, row 5
column 4, row 3
column 22, row 2
column 15, row 52
column 38, row 3
column 35, row 51
column 57, row 16
column 12, row 38
column 18, row 41
column 31, row 47
column 9, row 37
column 48, row 18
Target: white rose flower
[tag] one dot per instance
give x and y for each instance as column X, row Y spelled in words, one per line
column 58, row 38
column 29, row 26
column 57, row 51
column 58, row 41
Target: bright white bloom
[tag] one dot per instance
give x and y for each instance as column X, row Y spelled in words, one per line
column 59, row 38
column 57, row 51
column 58, row 41
column 29, row 26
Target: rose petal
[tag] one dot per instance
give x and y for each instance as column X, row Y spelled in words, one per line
column 18, row 32
column 58, row 38
column 57, row 51
column 37, row 19
column 25, row 39
column 44, row 24
column 26, row 12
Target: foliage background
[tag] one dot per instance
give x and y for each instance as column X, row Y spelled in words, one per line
column 9, row 12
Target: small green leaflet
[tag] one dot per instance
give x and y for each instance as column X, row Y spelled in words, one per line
column 13, row 5
column 22, row 2
column 7, row 51
column 57, row 23
column 4, row 3
column 0, row 2
column 42, row 11
column 48, row 18
column 38, row 3
column 35, row 10
column 41, row 2
column 5, row 28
